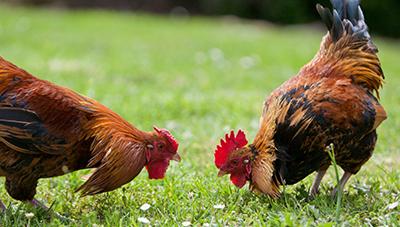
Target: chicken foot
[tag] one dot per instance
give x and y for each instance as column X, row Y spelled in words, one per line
column 38, row 204
column 346, row 176
column 317, row 181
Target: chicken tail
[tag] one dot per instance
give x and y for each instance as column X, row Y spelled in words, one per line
column 348, row 49
column 346, row 18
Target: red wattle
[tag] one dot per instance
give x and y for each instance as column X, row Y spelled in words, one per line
column 239, row 180
column 157, row 169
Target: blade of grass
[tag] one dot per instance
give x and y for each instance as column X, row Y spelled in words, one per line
column 331, row 151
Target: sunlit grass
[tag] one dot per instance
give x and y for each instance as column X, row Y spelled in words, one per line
column 197, row 77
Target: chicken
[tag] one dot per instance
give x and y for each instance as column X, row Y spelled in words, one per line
column 330, row 101
column 47, row 130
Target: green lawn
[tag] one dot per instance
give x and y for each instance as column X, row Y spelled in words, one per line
column 199, row 78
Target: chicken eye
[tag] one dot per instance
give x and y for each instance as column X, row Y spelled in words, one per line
column 151, row 147
column 235, row 162
column 160, row 146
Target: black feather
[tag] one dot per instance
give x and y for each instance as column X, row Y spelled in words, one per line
column 326, row 16
column 25, row 144
column 347, row 18
column 18, row 114
column 15, row 124
column 33, row 136
column 339, row 6
column 352, row 10
column 360, row 14
column 337, row 29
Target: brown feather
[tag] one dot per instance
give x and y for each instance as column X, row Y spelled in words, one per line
column 328, row 101
column 348, row 57
column 71, row 132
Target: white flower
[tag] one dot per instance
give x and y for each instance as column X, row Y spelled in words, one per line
column 392, row 205
column 219, row 206
column 186, row 223
column 190, row 195
column 247, row 62
column 216, row 54
column 143, row 220
column 96, row 225
column 206, row 225
column 29, row 215
column 145, row 207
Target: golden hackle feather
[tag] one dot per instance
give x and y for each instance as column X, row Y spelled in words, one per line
column 263, row 171
column 109, row 129
column 262, row 175
column 118, row 151
column 278, row 113
column 348, row 57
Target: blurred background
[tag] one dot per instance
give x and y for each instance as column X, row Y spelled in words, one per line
column 281, row 12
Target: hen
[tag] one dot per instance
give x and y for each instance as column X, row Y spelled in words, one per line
column 330, row 101
column 47, row 130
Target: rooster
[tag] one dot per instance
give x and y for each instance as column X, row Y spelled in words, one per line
column 332, row 100
column 47, row 130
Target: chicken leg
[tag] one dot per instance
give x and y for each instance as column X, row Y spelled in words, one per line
column 2, row 207
column 346, row 176
column 37, row 203
column 317, row 181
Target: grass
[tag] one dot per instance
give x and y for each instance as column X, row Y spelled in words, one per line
column 199, row 78
column 331, row 151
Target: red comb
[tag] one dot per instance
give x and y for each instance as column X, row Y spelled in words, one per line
column 230, row 144
column 169, row 136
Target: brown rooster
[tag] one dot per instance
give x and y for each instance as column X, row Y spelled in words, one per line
column 330, row 101
column 47, row 130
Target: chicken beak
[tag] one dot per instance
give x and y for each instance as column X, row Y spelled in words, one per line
column 176, row 157
column 222, row 173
